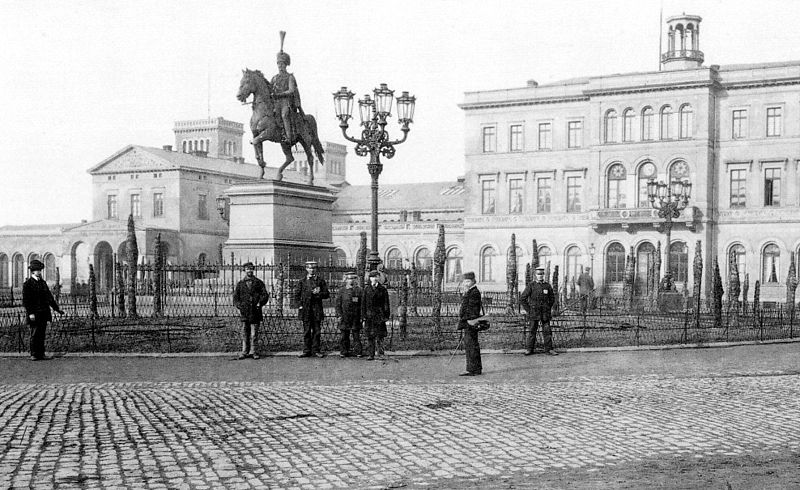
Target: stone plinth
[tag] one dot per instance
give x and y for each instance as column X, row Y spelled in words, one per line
column 271, row 220
column 670, row 301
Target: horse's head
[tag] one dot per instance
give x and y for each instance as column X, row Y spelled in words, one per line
column 253, row 82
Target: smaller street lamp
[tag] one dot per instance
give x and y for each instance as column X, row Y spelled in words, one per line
column 592, row 250
column 223, row 206
column 669, row 199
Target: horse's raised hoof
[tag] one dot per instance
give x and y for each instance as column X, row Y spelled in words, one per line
column 262, row 173
column 279, row 177
column 289, row 159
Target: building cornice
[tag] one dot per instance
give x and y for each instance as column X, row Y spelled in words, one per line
column 761, row 83
column 469, row 106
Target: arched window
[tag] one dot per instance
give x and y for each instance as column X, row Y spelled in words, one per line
column 615, row 263
column 18, row 265
column 647, row 172
column 738, row 257
column 615, row 192
column 574, row 263
column 394, row 259
column 201, row 259
column 4, row 271
column 341, row 257
column 687, row 121
column 645, row 256
column 679, row 170
column 647, row 124
column 627, row 124
column 610, row 134
column 184, row 145
column 452, row 265
column 488, row 259
column 208, row 144
column 545, row 254
column 666, row 115
column 423, row 259
column 679, row 261
column 771, row 264
column 49, row 267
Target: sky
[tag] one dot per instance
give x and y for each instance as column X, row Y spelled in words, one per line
column 80, row 80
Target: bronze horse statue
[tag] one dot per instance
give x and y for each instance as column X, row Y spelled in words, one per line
column 266, row 124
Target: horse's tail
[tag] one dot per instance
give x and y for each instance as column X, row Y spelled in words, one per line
column 318, row 149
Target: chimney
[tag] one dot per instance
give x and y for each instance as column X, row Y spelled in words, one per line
column 167, row 147
column 533, row 83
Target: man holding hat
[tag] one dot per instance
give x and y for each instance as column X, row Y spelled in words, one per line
column 348, row 307
column 284, row 90
column 375, row 311
column 37, row 300
column 309, row 295
column 471, row 309
column 538, row 299
column 249, row 297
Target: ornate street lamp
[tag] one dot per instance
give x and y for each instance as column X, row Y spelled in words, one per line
column 669, row 200
column 223, row 204
column 592, row 251
column 374, row 138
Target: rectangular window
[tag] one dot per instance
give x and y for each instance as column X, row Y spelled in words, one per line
column 136, row 205
column 574, row 134
column 158, row 204
column 516, row 137
column 516, row 198
column 488, row 196
column 739, row 124
column 544, row 198
column 574, row 187
column 202, row 207
column 113, row 212
column 738, row 188
column 774, row 121
column 545, row 136
column 772, row 187
column 489, row 139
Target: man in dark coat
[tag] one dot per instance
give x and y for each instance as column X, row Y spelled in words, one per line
column 538, row 299
column 348, row 307
column 471, row 310
column 375, row 311
column 249, row 297
column 586, row 288
column 309, row 295
column 37, row 300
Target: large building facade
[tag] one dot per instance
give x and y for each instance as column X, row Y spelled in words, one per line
column 568, row 163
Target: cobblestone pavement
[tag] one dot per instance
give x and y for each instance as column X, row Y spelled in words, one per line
column 378, row 433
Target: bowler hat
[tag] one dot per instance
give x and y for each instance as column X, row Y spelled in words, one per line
column 36, row 265
column 374, row 274
column 469, row 275
column 248, row 265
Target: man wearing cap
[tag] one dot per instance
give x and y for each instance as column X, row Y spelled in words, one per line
column 284, row 90
column 37, row 300
column 249, row 297
column 308, row 295
column 538, row 299
column 348, row 307
column 375, row 311
column 586, row 288
column 471, row 309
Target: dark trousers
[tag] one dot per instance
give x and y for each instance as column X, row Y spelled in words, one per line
column 38, row 332
column 351, row 326
column 533, row 326
column 473, row 351
column 249, row 337
column 375, row 345
column 312, row 328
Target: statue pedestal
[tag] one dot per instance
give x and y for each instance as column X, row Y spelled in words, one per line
column 670, row 301
column 271, row 220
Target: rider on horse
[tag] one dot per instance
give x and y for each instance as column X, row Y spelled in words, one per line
column 287, row 97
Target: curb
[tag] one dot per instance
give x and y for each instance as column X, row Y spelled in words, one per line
column 421, row 353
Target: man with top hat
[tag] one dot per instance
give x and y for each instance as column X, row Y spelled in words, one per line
column 287, row 97
column 471, row 309
column 348, row 307
column 537, row 299
column 308, row 295
column 375, row 311
column 249, row 297
column 37, row 300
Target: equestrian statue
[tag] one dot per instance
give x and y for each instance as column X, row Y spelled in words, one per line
column 278, row 115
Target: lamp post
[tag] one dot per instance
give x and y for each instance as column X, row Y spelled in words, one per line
column 592, row 250
column 669, row 199
column 374, row 138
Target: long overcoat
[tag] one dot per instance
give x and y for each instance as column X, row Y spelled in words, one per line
column 37, row 300
column 310, row 304
column 249, row 297
column 537, row 299
column 471, row 307
column 348, row 306
column 375, row 310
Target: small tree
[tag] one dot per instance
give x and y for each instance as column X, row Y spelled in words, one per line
column 556, row 304
column 511, row 275
column 438, row 276
column 745, row 289
column 718, row 291
column 756, row 297
column 57, row 286
column 734, row 286
column 120, row 291
column 92, row 292
column 791, row 285
column 158, row 266
column 132, row 249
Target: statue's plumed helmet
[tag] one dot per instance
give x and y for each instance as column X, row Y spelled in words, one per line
column 283, row 56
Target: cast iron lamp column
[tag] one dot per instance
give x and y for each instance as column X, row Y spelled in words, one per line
column 669, row 200
column 374, row 138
